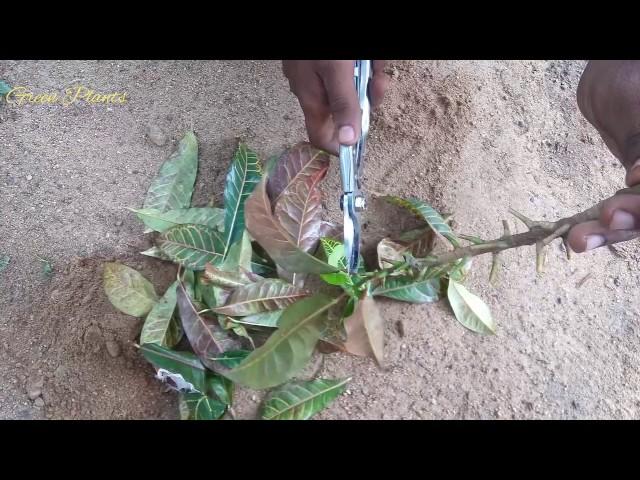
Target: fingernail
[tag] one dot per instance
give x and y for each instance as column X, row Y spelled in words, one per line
column 346, row 134
column 622, row 220
column 594, row 241
column 633, row 174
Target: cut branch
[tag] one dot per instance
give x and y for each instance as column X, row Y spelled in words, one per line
column 540, row 232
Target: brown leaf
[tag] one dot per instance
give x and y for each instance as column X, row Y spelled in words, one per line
column 331, row 230
column 365, row 331
column 263, row 296
column 280, row 246
column 327, row 348
column 389, row 252
column 229, row 279
column 299, row 211
column 419, row 242
column 300, row 161
column 207, row 338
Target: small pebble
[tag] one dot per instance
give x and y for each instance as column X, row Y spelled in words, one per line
column 60, row 371
column 39, row 402
column 93, row 338
column 34, row 387
column 118, row 223
column 113, row 348
column 29, row 177
column 156, row 135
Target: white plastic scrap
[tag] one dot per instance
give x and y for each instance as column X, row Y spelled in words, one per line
column 175, row 381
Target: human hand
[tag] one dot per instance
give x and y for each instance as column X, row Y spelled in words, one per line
column 329, row 101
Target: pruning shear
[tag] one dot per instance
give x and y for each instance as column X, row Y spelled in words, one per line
column 352, row 201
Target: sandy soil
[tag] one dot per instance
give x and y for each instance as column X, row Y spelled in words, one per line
column 473, row 138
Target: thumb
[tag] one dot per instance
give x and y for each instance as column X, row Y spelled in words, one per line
column 343, row 101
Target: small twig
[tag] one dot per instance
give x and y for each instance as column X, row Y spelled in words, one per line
column 527, row 221
column 495, row 267
column 541, row 256
column 506, row 228
column 495, row 261
column 582, row 282
column 567, row 248
column 558, row 233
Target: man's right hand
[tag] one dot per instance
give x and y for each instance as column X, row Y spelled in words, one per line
column 328, row 98
column 609, row 98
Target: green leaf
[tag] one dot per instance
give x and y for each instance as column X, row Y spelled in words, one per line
column 407, row 289
column 263, row 296
column 263, row 319
column 182, row 363
column 263, row 227
column 428, row 214
column 173, row 186
column 214, row 296
column 262, row 266
column 262, row 269
column 156, row 253
column 189, row 281
column 4, row 262
column 128, row 290
column 289, row 348
column 239, row 255
column 333, row 251
column 469, row 309
column 340, row 279
column 159, row 326
column 232, row 358
column 202, row 407
column 365, row 331
column 4, row 88
column 207, row 338
column 302, row 400
column 192, row 246
column 242, row 178
column 229, row 323
column 160, row 221
column 222, row 387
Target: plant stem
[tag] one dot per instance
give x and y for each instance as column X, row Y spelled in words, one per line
column 540, row 232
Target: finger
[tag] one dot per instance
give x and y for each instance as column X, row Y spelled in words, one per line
column 621, row 212
column 321, row 131
column 343, row 100
column 320, row 127
column 379, row 83
column 590, row 235
column 633, row 175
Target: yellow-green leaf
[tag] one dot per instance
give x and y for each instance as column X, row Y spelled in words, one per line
column 173, row 186
column 128, row 290
column 469, row 309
